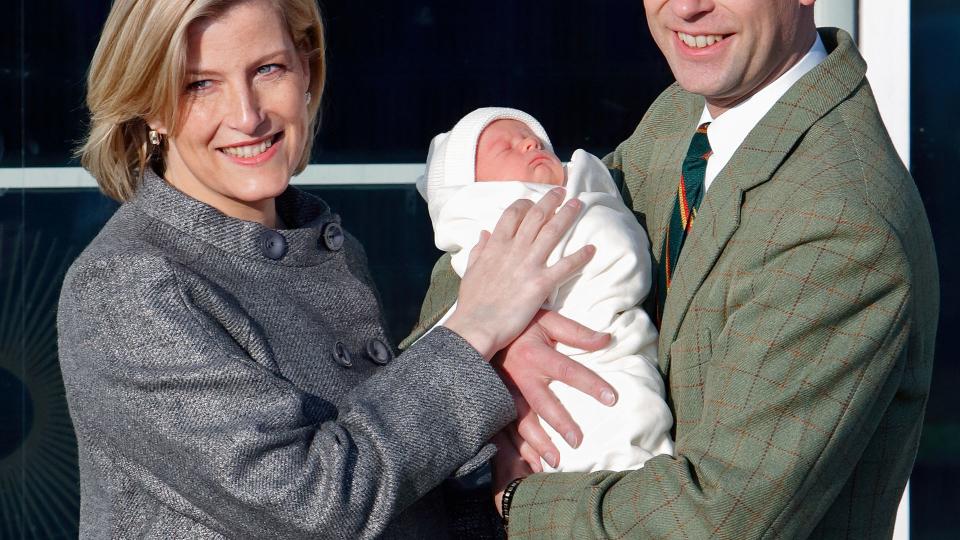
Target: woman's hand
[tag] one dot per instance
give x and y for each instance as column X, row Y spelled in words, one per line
column 529, row 364
column 507, row 277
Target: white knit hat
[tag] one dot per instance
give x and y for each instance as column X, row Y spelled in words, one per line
column 452, row 158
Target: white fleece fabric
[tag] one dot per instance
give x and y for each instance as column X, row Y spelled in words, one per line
column 606, row 296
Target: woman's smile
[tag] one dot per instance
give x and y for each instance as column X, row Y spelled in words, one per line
column 256, row 152
column 243, row 113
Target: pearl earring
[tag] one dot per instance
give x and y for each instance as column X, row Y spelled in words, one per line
column 154, row 137
column 307, row 96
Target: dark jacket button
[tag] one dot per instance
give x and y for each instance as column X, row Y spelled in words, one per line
column 332, row 236
column 273, row 244
column 379, row 352
column 341, row 355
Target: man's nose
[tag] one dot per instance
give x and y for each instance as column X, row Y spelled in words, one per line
column 689, row 9
column 244, row 114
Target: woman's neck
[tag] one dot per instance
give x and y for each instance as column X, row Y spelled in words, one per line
column 263, row 211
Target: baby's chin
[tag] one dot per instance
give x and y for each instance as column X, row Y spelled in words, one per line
column 552, row 180
column 555, row 181
column 540, row 174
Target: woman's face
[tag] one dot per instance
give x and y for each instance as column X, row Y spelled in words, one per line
column 243, row 112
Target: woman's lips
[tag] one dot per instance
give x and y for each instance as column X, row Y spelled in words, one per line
column 254, row 153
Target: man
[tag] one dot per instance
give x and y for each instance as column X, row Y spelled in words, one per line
column 798, row 293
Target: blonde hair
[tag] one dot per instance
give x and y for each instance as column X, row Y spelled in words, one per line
column 138, row 72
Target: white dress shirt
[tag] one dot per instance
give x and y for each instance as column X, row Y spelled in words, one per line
column 728, row 131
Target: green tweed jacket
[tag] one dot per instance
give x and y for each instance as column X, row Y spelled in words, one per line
column 797, row 338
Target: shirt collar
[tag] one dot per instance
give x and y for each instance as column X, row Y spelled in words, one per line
column 728, row 131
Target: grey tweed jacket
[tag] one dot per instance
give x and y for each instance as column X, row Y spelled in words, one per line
column 227, row 380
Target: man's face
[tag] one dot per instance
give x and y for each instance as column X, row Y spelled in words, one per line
column 727, row 50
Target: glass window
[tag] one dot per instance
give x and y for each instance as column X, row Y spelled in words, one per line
column 935, row 151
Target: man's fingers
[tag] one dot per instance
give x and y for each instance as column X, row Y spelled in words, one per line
column 508, row 463
column 570, row 332
column 546, row 405
column 533, row 434
column 516, row 447
column 577, row 376
column 525, row 449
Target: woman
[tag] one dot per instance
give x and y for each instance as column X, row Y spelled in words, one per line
column 221, row 344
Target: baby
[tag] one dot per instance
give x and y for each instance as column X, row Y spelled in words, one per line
column 494, row 156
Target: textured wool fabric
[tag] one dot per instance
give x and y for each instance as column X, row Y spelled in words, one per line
column 204, row 384
column 797, row 339
column 605, row 296
column 452, row 157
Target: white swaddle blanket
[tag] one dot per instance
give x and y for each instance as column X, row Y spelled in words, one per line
column 605, row 296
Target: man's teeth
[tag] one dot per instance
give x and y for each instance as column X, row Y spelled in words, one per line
column 249, row 151
column 699, row 42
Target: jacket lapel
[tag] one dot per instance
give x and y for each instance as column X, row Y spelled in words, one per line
column 762, row 152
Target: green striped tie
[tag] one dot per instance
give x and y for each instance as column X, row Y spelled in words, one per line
column 689, row 194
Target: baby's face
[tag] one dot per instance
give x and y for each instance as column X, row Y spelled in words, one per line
column 509, row 150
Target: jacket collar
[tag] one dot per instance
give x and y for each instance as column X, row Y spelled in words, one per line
column 305, row 214
column 754, row 162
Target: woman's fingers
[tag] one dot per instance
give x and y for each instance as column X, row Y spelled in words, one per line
column 554, row 229
column 507, row 278
column 539, row 214
column 566, row 267
column 477, row 249
column 511, row 219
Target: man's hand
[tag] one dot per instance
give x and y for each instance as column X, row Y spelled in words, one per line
column 507, row 466
column 529, row 364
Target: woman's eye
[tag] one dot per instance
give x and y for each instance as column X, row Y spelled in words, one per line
column 269, row 69
column 197, row 86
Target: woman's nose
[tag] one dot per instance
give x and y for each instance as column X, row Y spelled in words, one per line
column 244, row 114
column 689, row 9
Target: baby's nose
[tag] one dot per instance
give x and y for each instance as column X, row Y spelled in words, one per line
column 531, row 143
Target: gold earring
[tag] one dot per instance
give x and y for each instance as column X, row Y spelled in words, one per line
column 308, row 96
column 154, row 137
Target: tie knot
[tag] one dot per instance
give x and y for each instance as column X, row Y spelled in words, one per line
column 699, row 150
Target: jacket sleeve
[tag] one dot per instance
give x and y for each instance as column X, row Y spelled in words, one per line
column 165, row 392
column 808, row 361
column 442, row 294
